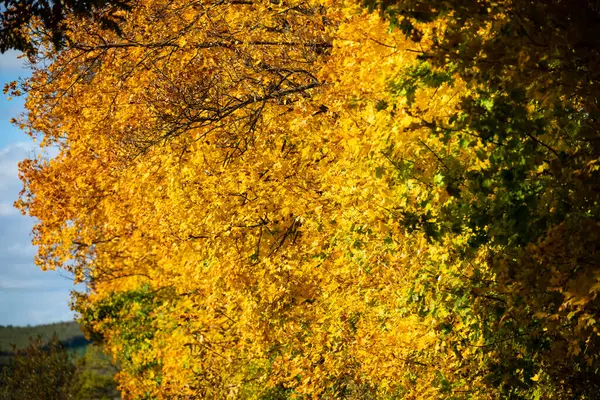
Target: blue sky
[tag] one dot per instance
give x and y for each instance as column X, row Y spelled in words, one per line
column 27, row 295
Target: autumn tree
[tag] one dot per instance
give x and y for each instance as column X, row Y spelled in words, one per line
column 237, row 70
column 273, row 199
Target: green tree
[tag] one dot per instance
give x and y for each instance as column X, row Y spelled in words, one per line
column 96, row 375
column 532, row 68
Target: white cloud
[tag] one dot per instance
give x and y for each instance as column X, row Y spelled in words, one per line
column 20, row 249
column 22, row 284
column 9, row 168
column 27, row 295
column 11, row 61
column 34, row 308
column 7, row 209
column 16, row 151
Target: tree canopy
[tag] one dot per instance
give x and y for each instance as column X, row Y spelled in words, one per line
column 18, row 18
column 305, row 199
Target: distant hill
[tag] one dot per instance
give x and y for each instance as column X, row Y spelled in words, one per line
column 68, row 333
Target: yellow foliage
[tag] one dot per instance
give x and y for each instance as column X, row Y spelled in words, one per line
column 240, row 161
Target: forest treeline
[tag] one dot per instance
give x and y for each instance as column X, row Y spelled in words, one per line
column 273, row 199
column 68, row 332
